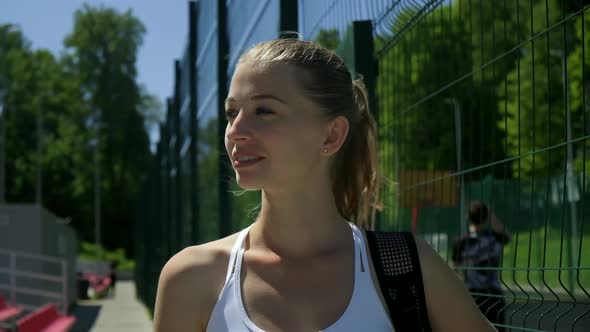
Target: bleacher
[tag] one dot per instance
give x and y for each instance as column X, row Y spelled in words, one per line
column 46, row 319
column 98, row 285
column 34, row 292
column 8, row 314
column 49, row 312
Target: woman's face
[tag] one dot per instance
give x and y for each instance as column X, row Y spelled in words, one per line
column 274, row 134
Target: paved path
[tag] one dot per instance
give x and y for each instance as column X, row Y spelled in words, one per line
column 121, row 313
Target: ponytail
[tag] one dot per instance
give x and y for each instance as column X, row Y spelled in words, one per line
column 357, row 176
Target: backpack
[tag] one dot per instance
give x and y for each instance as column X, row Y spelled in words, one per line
column 396, row 262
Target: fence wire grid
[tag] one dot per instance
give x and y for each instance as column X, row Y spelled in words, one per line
column 476, row 100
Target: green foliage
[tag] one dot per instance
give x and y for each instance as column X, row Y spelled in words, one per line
column 439, row 49
column 92, row 82
column 101, row 52
column 90, row 251
column 208, row 173
column 533, row 111
column 151, row 109
column 578, row 71
column 39, row 85
column 539, row 258
column 501, row 70
column 329, row 38
column 107, row 41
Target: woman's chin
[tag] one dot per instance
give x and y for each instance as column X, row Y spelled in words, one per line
column 248, row 184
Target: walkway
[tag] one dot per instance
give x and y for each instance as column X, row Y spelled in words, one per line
column 121, row 313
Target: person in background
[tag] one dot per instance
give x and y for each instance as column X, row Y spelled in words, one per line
column 113, row 276
column 482, row 247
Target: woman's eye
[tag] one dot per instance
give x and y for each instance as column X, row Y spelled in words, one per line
column 261, row 110
column 230, row 114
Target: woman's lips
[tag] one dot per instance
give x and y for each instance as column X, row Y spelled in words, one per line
column 246, row 163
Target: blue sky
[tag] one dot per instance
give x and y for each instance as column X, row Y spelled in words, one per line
column 45, row 23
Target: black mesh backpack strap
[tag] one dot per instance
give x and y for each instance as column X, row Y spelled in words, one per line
column 396, row 262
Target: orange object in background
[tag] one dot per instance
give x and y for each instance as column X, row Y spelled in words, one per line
column 415, row 212
column 418, row 189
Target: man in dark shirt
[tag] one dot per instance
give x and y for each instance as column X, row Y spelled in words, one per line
column 482, row 248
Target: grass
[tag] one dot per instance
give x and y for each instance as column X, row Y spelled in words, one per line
column 541, row 259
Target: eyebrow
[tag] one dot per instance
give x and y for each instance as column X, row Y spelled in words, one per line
column 257, row 97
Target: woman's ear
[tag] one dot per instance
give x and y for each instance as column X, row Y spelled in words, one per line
column 336, row 132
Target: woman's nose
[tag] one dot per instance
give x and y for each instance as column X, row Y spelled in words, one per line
column 238, row 129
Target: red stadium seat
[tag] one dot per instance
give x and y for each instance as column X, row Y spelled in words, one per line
column 8, row 313
column 45, row 319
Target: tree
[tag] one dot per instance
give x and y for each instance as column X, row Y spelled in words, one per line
column 533, row 100
column 431, row 67
column 101, row 53
column 329, row 38
column 38, row 87
column 578, row 65
column 151, row 109
column 16, row 81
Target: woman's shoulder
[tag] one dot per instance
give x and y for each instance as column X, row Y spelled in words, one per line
column 441, row 284
column 190, row 283
column 199, row 262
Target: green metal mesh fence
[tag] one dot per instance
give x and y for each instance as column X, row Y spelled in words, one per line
column 487, row 100
column 475, row 100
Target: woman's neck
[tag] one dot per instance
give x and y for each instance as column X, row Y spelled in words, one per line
column 299, row 224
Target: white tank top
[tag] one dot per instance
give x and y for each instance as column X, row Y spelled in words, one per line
column 365, row 311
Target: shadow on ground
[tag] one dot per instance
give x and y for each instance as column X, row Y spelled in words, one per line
column 86, row 315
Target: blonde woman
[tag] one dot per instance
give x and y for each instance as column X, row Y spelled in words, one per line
column 299, row 130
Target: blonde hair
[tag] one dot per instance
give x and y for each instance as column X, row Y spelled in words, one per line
column 326, row 81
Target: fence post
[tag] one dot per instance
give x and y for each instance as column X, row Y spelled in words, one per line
column 176, row 175
column 224, row 166
column 13, row 278
column 194, row 124
column 165, row 174
column 289, row 19
column 156, row 238
column 64, row 272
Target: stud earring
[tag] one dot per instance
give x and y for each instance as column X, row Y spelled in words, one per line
column 325, row 150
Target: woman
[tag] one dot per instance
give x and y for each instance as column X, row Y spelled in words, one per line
column 299, row 130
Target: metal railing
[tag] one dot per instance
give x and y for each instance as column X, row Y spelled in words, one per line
column 24, row 274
